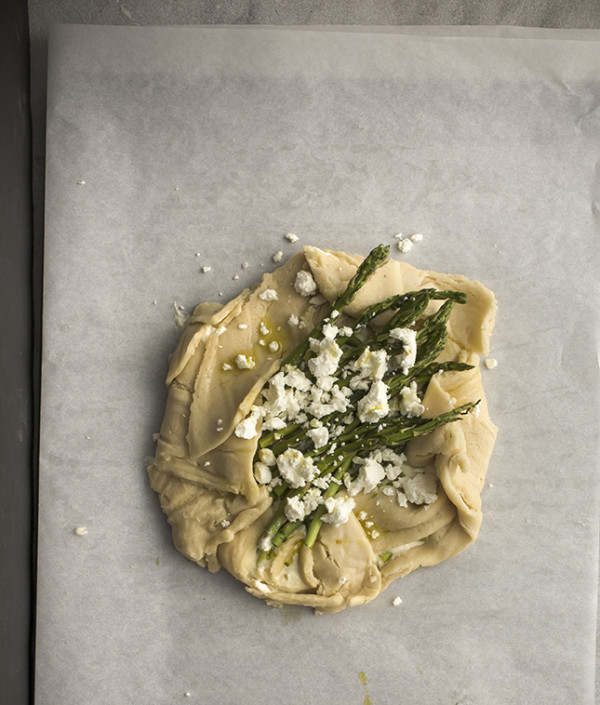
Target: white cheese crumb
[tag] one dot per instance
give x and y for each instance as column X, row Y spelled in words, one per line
column 305, row 285
column 245, row 265
column 278, row 256
column 274, row 346
column 294, row 509
column 262, row 473
column 408, row 338
column 490, row 363
column 295, row 468
column 293, row 320
column 81, row 182
column 206, row 269
column 339, row 510
column 242, row 326
column 410, row 404
column 268, row 295
column 245, row 362
column 374, row 404
column 235, row 277
column 327, row 358
column 263, row 329
column 405, row 245
column 421, row 489
column 81, row 531
column 369, row 476
column 417, row 237
column 397, row 601
column 267, row 456
column 291, row 237
column 247, row 428
column 226, row 366
column 319, row 436
column 225, row 523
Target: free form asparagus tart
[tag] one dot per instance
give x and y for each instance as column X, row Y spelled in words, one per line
column 326, row 432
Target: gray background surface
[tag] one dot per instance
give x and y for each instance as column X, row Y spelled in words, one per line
column 44, row 13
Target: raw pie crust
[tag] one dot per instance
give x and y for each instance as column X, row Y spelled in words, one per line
column 203, row 472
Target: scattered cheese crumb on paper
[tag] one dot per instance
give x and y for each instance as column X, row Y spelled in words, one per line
column 81, row 531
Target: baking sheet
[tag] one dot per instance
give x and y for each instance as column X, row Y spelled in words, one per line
column 170, row 149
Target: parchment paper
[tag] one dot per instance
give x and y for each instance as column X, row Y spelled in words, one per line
column 170, row 149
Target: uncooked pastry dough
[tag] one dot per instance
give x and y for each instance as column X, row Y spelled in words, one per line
column 203, row 472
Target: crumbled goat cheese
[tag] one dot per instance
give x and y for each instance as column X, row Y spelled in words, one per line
column 247, row 428
column 339, row 510
column 305, row 285
column 408, row 338
column 328, row 353
column 374, row 404
column 262, row 473
column 278, row 256
column 267, row 456
column 274, row 346
column 242, row 326
column 81, row 531
column 245, row 265
column 417, row 237
column 291, row 237
column 401, row 499
column 295, row 468
column 410, row 404
column 490, row 363
column 319, row 436
column 206, row 269
column 421, row 489
column 268, row 295
column 294, row 509
column 226, row 366
column 265, row 543
column 263, row 329
column 371, row 365
column 397, row 601
column 369, row 476
column 245, row 362
column 405, row 245
column 293, row 320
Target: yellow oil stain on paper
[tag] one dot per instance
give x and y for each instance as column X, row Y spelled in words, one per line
column 362, row 677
